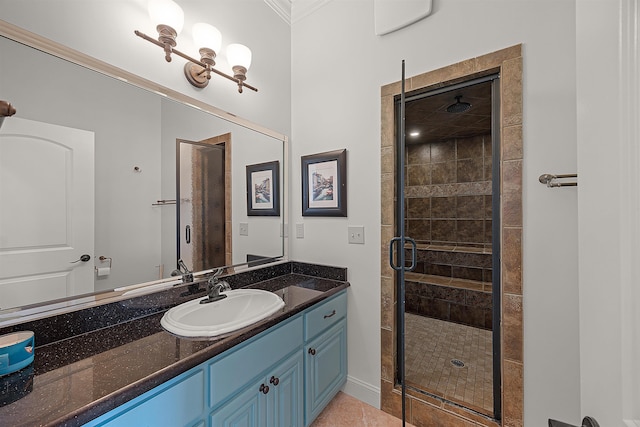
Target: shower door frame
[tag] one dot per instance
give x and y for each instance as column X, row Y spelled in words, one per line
column 422, row 410
column 495, row 231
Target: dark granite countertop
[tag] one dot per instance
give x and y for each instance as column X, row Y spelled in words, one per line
column 78, row 378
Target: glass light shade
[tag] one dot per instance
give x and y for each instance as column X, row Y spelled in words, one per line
column 238, row 54
column 205, row 35
column 166, row 12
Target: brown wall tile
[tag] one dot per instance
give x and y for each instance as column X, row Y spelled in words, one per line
column 419, row 229
column 470, row 231
column 445, row 74
column 427, row 415
column 467, row 273
column 387, row 291
column 513, row 394
column 443, row 151
column 470, row 207
column 495, row 59
column 391, row 401
column 511, row 77
column 470, row 170
column 443, row 230
column 512, row 327
column 512, row 193
column 387, row 160
column 443, row 173
column 443, row 207
column 419, row 154
column 388, row 354
column 419, row 207
column 470, row 148
column 512, row 142
column 387, row 186
column 387, row 134
column 418, row 175
column 512, row 260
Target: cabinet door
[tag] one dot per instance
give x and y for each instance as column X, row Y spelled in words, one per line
column 245, row 410
column 285, row 407
column 325, row 369
column 179, row 402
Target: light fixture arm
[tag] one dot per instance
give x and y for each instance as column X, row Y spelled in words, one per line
column 169, row 49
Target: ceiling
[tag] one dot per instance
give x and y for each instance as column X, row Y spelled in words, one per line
column 429, row 115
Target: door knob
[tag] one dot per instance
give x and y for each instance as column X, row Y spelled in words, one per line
column 83, row 258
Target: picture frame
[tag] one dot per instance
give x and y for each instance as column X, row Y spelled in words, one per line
column 324, row 184
column 263, row 189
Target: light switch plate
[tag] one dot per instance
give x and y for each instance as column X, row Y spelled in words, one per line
column 300, row 231
column 356, row 234
column 244, row 228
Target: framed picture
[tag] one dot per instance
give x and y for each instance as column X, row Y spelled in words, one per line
column 263, row 189
column 324, row 184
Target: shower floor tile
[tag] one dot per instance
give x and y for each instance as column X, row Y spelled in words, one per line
column 434, row 347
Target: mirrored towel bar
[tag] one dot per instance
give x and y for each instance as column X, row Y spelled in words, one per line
column 164, row 202
column 550, row 180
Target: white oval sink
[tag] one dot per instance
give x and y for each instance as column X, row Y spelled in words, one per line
column 241, row 307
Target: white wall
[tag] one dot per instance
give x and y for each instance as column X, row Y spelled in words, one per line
column 609, row 214
column 338, row 66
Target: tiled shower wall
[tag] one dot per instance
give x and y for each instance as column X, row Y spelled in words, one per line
column 448, row 189
column 448, row 186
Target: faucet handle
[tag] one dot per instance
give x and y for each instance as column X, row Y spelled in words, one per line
column 224, row 286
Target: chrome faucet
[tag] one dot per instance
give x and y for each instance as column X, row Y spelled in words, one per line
column 183, row 270
column 214, row 287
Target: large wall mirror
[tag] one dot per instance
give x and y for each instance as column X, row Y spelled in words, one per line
column 88, row 167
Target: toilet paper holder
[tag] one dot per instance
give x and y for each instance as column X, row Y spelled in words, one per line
column 104, row 259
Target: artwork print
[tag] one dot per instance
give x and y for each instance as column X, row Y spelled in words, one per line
column 322, row 177
column 263, row 185
column 324, row 185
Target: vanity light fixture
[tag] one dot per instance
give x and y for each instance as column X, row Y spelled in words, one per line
column 168, row 18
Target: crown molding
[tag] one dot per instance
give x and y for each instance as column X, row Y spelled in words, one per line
column 303, row 8
column 282, row 8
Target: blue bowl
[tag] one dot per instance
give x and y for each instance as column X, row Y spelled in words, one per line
column 16, row 351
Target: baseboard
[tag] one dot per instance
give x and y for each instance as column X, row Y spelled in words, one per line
column 364, row 392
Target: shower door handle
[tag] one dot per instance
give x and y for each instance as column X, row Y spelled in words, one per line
column 414, row 256
column 187, row 232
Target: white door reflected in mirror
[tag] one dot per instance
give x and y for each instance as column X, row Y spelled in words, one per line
column 47, row 211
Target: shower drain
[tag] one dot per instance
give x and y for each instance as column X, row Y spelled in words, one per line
column 457, row 363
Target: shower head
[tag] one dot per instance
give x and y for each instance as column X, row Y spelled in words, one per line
column 458, row 106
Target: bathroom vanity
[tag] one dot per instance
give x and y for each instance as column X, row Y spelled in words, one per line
column 281, row 371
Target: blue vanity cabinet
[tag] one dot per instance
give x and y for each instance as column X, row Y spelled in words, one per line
column 282, row 377
column 325, row 354
column 178, row 402
column 275, row 400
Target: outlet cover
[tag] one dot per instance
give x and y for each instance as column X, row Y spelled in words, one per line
column 244, row 228
column 356, row 235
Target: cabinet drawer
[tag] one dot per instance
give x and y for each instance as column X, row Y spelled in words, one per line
column 237, row 368
column 325, row 315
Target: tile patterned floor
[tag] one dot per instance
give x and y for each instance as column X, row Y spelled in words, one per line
column 432, row 344
column 347, row 411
